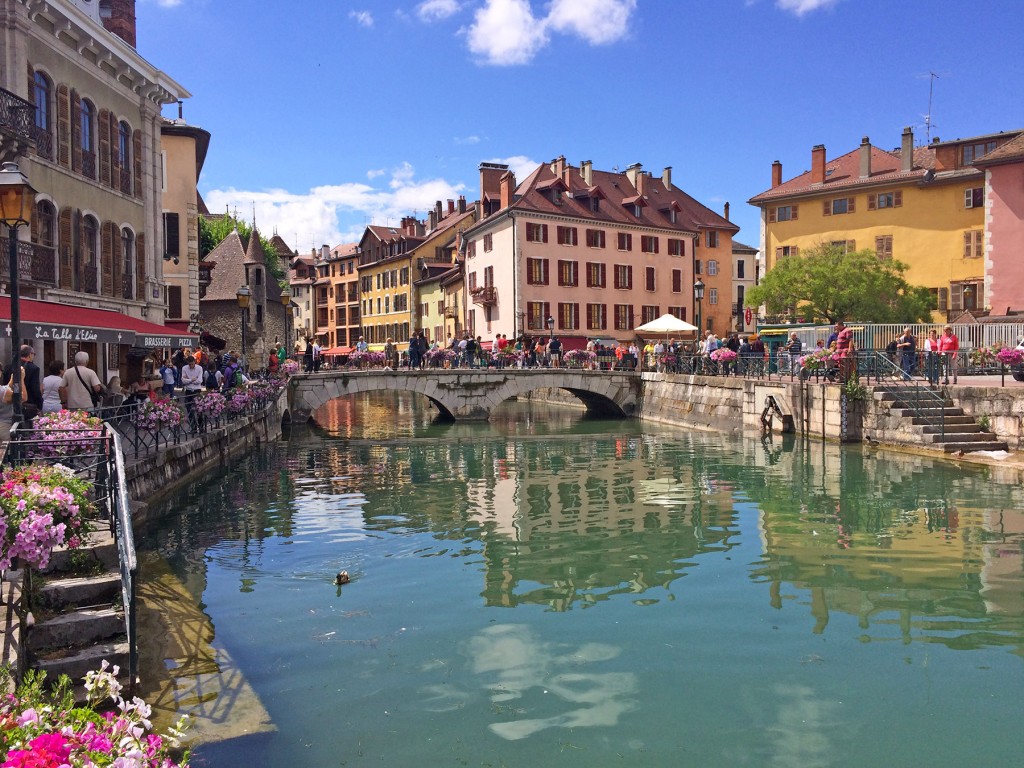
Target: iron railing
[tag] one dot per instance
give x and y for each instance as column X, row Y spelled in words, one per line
column 43, row 138
column 911, row 390
column 17, row 117
column 36, row 263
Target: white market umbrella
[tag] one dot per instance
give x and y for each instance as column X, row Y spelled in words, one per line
column 666, row 324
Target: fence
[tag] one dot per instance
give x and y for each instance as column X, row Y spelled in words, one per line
column 876, row 336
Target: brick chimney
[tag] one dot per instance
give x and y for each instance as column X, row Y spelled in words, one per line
column 432, row 218
column 587, row 172
column 725, row 211
column 490, row 177
column 558, row 166
column 119, row 18
column 508, row 187
column 439, row 210
column 462, row 203
column 776, row 174
column 865, row 157
column 632, row 172
column 907, row 150
column 451, row 206
column 818, row 164
column 666, row 177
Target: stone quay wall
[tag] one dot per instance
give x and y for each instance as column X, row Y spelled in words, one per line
column 1002, row 406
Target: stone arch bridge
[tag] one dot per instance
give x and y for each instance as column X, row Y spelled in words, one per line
column 467, row 394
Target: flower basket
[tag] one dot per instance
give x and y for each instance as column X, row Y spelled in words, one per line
column 65, row 433
column 818, row 360
column 210, row 405
column 982, row 357
column 239, row 401
column 1010, row 356
column 290, row 367
column 365, row 359
column 153, row 416
column 723, row 355
column 440, row 358
column 579, row 358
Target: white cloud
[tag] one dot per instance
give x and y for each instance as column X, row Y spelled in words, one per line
column 596, row 21
column 362, row 18
column 467, row 140
column 800, row 7
column 436, row 10
column 521, row 165
column 506, row 32
column 373, row 173
column 335, row 213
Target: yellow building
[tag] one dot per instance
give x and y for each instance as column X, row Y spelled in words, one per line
column 924, row 206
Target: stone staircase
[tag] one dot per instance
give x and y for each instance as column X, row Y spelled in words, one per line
column 77, row 611
column 936, row 419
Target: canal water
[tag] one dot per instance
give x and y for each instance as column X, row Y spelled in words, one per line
column 546, row 590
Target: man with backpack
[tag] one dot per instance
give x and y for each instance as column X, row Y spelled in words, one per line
column 232, row 375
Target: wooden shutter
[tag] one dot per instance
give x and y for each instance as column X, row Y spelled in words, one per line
column 968, row 199
column 795, row 210
column 118, row 262
column 76, row 131
column 956, row 295
column 103, row 129
column 650, row 278
column 172, row 238
column 794, row 250
column 140, row 268
column 137, row 163
column 560, row 234
column 771, row 215
column 544, row 235
column 107, row 232
column 64, row 248
column 826, row 208
column 778, row 255
column 174, row 301
column 656, row 241
column 897, row 198
column 851, row 204
column 851, row 246
column 872, row 202
column 63, row 125
column 879, row 246
column 114, row 142
column 967, row 244
column 943, row 299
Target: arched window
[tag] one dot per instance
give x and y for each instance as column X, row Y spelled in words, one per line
column 43, row 92
column 127, row 264
column 124, row 156
column 88, row 126
column 46, row 224
column 90, row 254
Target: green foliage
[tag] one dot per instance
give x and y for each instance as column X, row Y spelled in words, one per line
column 213, row 231
column 854, row 390
column 826, row 283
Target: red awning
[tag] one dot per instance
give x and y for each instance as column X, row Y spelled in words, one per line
column 49, row 320
column 335, row 351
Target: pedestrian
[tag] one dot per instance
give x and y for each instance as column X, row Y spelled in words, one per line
column 932, row 360
column 555, row 352
column 949, row 346
column 178, row 361
column 414, row 351
column 51, row 387
column 192, row 382
column 32, row 392
column 82, row 387
column 7, row 407
column 169, row 376
column 907, row 346
column 794, row 348
column 845, row 350
column 307, row 357
column 318, row 354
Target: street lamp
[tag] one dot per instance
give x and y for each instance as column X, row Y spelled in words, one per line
column 16, row 199
column 551, row 324
column 286, row 299
column 243, row 294
column 698, row 294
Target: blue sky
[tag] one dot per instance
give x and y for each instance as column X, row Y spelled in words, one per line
column 329, row 114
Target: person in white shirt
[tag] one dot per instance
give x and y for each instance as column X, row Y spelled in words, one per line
column 80, row 383
column 51, row 387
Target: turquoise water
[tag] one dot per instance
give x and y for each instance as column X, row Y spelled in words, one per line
column 547, row 590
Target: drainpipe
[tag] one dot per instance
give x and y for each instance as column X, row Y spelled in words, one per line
column 515, row 277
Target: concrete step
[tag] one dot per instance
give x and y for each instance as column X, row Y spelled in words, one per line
column 76, row 630
column 931, row 412
column 960, row 437
column 76, row 663
column 79, row 591
column 951, row 428
column 98, row 545
column 950, row 421
column 994, row 445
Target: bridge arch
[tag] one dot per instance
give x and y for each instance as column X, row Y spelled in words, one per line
column 470, row 394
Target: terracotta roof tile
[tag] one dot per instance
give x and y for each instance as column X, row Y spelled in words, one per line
column 1010, row 152
column 229, row 272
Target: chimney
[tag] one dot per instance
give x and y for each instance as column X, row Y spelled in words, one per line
column 776, row 174
column 508, row 186
column 587, row 172
column 726, row 211
column 119, row 18
column 865, row 157
column 666, row 177
column 632, row 172
column 438, row 210
column 462, row 203
column 451, row 206
column 558, row 166
column 325, row 252
column 907, row 150
column 490, row 177
column 432, row 217
column 640, row 185
column 818, row 164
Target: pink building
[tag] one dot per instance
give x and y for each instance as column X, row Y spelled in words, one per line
column 1004, row 226
column 596, row 253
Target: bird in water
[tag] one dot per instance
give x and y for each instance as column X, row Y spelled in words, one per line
column 342, row 578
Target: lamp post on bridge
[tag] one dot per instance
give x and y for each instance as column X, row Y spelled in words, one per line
column 698, row 294
column 286, row 300
column 243, row 294
column 16, row 199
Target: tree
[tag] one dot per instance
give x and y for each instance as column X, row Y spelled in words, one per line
column 213, row 231
column 827, row 283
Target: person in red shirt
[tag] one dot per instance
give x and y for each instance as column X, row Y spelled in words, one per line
column 949, row 345
column 844, row 348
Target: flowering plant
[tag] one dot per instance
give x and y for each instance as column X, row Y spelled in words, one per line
column 290, row 367
column 155, row 415
column 437, row 358
column 210, row 405
column 981, row 357
column 723, row 355
column 1010, row 356
column 40, row 728
column 239, row 400
column 66, row 433
column 41, row 507
column 365, row 359
column 579, row 358
column 818, row 359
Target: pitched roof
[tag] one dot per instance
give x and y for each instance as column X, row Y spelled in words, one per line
column 284, row 251
column 254, row 253
column 844, row 173
column 1010, row 152
column 229, row 272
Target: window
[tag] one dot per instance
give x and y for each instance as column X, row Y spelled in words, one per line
column 649, row 278
column 172, row 237
column 972, row 152
column 712, row 295
column 536, row 314
column 648, row 244
column 595, row 204
column 962, row 295
column 623, row 276
column 472, row 281
column 595, row 275
column 846, row 246
column 786, row 250
column 403, row 276
column 625, row 241
column 712, row 267
column 648, row 313
column 537, row 233
column 42, row 93
column 784, row 213
column 595, row 238
column 568, row 316
column 88, row 140
column 471, row 249
column 637, row 210
column 124, row 156
column 675, row 247
column 489, row 277
column 679, row 312
column 597, row 317
column 537, row 271
column 46, row 223
column 885, row 200
column 974, row 197
column 711, row 239
column 838, row 206
column 623, row 317
column 973, row 244
column 568, row 273
column 741, row 269
column 127, row 264
column 697, row 267
column 677, row 281
column 488, row 242
column 567, row 236
column 883, row 246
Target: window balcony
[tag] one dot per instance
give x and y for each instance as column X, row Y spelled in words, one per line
column 451, row 311
column 36, row 263
column 127, row 285
column 16, row 124
column 89, row 165
column 485, row 295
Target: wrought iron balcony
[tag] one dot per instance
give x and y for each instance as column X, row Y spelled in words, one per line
column 127, row 285
column 16, row 123
column 126, row 180
column 36, row 263
column 89, row 165
column 44, row 142
column 451, row 311
column 485, row 295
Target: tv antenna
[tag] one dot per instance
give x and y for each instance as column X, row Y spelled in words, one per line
column 928, row 123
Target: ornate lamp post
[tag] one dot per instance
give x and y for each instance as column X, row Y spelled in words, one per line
column 698, row 294
column 16, row 199
column 286, row 299
column 550, row 324
column 243, row 294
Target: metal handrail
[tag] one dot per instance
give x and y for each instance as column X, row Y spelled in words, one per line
column 915, row 392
